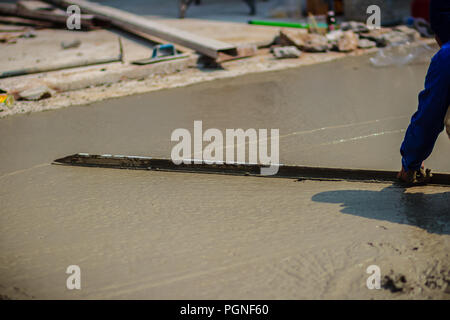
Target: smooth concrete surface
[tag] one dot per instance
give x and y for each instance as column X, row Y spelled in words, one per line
column 154, row 235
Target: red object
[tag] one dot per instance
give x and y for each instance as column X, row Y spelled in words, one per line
column 421, row 9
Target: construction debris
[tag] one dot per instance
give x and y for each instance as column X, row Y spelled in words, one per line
column 119, row 18
column 366, row 44
column 334, row 35
column 286, row 52
column 308, row 42
column 412, row 34
column 291, row 42
column 65, row 65
column 395, row 37
column 402, row 54
column 4, row 28
column 70, row 44
column 35, row 94
column 243, row 51
column 350, row 37
column 9, row 37
column 6, row 99
column 37, row 24
column 385, row 36
column 357, row 27
column 164, row 52
column 39, row 10
column 348, row 42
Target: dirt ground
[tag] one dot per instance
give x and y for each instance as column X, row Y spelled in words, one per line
column 155, row 235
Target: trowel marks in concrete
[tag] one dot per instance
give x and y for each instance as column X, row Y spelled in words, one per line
column 339, row 114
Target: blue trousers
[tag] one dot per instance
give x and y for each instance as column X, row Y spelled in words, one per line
column 428, row 121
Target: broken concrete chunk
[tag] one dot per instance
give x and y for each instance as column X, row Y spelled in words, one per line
column 385, row 36
column 354, row 26
column 377, row 35
column 71, row 44
column 316, row 43
column 247, row 50
column 286, row 52
column 366, row 44
column 348, row 42
column 292, row 37
column 35, row 94
column 28, row 34
column 334, row 35
column 412, row 34
column 304, row 41
column 396, row 37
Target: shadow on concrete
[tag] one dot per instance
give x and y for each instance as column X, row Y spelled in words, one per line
column 427, row 211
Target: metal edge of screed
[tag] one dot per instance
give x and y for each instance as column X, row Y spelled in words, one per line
column 240, row 169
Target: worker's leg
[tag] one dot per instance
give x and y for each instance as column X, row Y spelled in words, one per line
column 428, row 122
column 330, row 5
column 184, row 5
column 252, row 5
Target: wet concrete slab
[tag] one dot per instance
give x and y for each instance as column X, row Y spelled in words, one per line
column 138, row 234
column 155, row 235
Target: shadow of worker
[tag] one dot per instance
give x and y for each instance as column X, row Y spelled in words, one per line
column 429, row 211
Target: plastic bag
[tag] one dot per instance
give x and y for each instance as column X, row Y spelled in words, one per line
column 402, row 54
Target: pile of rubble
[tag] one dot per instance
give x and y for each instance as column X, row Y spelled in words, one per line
column 351, row 36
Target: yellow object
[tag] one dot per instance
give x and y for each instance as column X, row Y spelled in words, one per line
column 7, row 100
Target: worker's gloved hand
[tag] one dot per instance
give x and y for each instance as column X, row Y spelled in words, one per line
column 415, row 177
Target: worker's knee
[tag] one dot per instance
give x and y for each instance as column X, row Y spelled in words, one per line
column 447, row 122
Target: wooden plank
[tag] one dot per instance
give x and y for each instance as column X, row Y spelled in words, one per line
column 150, row 38
column 206, row 46
column 242, row 169
column 12, row 28
column 26, row 22
column 63, row 66
column 32, row 5
column 8, row 9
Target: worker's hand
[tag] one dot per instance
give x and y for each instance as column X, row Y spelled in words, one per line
column 415, row 177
